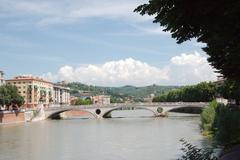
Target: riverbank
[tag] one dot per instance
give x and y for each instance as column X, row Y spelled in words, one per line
column 8, row 117
column 11, row 117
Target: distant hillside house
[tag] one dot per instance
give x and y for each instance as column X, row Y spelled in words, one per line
column 101, row 99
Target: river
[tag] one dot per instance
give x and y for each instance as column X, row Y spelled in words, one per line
column 138, row 136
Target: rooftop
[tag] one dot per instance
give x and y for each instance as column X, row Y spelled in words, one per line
column 28, row 77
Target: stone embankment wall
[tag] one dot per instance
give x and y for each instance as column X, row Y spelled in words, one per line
column 12, row 117
column 74, row 113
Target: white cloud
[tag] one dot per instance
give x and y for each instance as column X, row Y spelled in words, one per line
column 189, row 59
column 190, row 69
column 128, row 71
column 182, row 70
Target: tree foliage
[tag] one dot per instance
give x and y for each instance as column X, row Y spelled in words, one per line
column 222, row 123
column 227, row 126
column 83, row 101
column 9, row 96
column 208, row 118
column 213, row 22
column 202, row 92
column 230, row 90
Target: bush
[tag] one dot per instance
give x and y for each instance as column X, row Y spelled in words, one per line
column 227, row 122
column 222, row 123
column 208, row 118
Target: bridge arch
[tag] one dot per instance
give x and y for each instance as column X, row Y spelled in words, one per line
column 101, row 111
column 185, row 109
column 106, row 114
column 56, row 115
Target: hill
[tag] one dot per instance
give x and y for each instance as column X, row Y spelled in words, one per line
column 120, row 93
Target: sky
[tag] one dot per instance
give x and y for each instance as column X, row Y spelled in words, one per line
column 95, row 42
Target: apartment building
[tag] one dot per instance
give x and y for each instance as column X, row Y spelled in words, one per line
column 34, row 90
column 61, row 94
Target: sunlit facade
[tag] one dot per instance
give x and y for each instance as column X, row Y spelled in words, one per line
column 34, row 90
column 61, row 94
column 101, row 99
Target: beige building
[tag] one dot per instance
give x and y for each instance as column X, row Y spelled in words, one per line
column 101, row 99
column 61, row 94
column 1, row 78
column 34, row 90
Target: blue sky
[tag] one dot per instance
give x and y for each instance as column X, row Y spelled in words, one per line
column 55, row 38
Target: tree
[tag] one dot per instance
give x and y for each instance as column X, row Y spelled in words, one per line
column 214, row 22
column 9, row 96
column 222, row 123
column 202, row 92
column 83, row 101
column 230, row 90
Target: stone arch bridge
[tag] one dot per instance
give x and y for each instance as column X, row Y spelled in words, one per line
column 103, row 111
